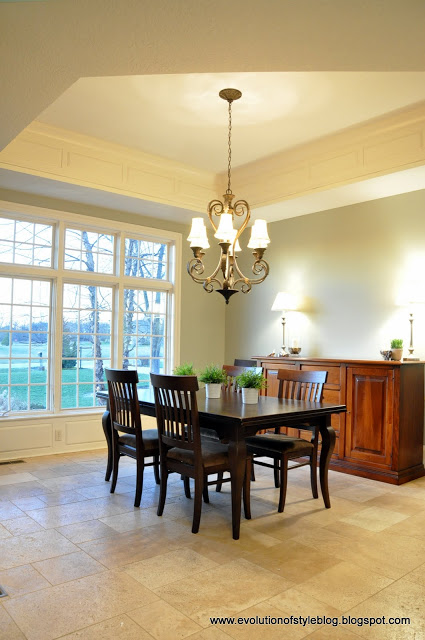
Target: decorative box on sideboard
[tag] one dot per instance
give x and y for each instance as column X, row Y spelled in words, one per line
column 381, row 435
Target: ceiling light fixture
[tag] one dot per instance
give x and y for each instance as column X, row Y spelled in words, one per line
column 231, row 279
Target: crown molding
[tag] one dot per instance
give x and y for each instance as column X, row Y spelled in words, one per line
column 59, row 154
column 391, row 143
column 381, row 146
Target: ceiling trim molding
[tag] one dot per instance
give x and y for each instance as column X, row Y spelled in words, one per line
column 384, row 145
column 58, row 154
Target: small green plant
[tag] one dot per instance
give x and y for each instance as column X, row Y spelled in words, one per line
column 184, row 369
column 397, row 343
column 251, row 380
column 213, row 374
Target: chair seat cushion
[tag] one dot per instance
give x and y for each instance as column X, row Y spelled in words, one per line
column 213, row 454
column 150, row 439
column 277, row 442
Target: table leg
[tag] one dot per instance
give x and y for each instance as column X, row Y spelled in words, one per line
column 328, row 444
column 107, row 430
column 237, row 458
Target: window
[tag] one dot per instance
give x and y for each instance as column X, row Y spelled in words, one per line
column 25, row 242
column 24, row 344
column 88, row 251
column 86, row 343
column 79, row 295
column 145, row 332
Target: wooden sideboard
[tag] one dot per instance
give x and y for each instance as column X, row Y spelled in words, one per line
column 381, row 435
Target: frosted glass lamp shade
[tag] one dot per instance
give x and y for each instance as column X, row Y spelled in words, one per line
column 284, row 302
column 259, row 236
column 198, row 234
column 225, row 231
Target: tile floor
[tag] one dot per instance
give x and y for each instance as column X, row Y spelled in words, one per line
column 81, row 564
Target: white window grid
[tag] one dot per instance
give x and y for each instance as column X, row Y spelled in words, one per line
column 57, row 275
column 26, row 242
column 147, row 259
column 75, row 250
column 36, row 365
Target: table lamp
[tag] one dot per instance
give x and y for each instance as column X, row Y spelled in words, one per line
column 284, row 302
column 412, row 297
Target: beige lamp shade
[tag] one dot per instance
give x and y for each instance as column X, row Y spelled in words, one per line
column 259, row 235
column 284, row 302
column 198, row 234
column 225, row 231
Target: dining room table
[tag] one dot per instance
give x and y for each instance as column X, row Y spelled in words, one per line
column 233, row 421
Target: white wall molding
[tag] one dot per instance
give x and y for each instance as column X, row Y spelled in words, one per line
column 49, row 152
column 382, row 146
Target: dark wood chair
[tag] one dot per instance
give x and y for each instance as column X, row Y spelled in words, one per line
column 294, row 385
column 128, row 439
column 181, row 448
column 233, row 371
column 244, row 363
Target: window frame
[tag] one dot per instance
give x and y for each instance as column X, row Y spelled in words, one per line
column 57, row 275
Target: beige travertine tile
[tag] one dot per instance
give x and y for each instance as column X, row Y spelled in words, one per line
column 68, row 483
column 29, row 503
column 213, row 592
column 118, row 628
column 397, row 502
column 133, row 546
column 72, row 606
column 164, row 621
column 282, row 526
column 85, row 531
column 8, row 510
column 400, row 599
column 361, row 493
column 293, row 601
column 68, row 567
column 21, row 580
column 417, row 575
column 250, row 627
column 344, row 585
column 375, row 518
column 23, row 490
column 79, row 511
column 414, row 526
column 292, row 560
column 211, row 633
column 20, row 526
column 4, row 533
column 348, row 530
column 333, row 633
column 137, row 519
column 55, row 498
column 15, row 478
column 33, row 547
column 169, row 567
column 8, row 628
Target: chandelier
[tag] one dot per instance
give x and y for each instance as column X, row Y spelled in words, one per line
column 227, row 278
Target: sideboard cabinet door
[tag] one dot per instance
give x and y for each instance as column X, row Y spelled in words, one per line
column 369, row 419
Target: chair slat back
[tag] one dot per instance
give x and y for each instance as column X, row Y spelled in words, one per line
column 301, row 385
column 177, row 411
column 233, row 371
column 123, row 401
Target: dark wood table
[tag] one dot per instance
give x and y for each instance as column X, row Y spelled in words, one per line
column 234, row 421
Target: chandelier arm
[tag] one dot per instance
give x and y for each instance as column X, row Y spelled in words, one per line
column 216, row 207
column 195, row 268
column 259, row 267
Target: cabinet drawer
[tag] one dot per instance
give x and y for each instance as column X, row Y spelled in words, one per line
column 334, row 375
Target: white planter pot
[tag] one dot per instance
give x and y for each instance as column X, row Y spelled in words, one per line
column 250, row 396
column 396, row 354
column 213, row 390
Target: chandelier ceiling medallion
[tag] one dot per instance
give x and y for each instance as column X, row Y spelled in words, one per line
column 231, row 279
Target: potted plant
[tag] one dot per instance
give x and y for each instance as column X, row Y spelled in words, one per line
column 213, row 376
column 396, row 349
column 184, row 369
column 250, row 382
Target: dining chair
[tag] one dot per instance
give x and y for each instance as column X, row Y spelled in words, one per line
column 293, row 385
column 181, row 448
column 128, row 438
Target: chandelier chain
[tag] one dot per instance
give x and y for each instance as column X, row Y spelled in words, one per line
column 229, row 166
